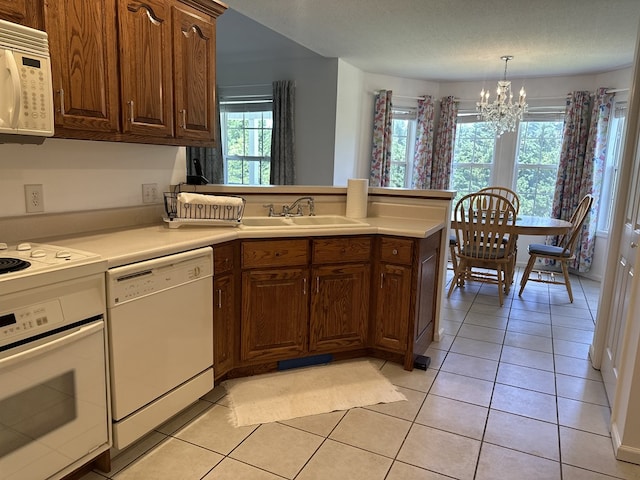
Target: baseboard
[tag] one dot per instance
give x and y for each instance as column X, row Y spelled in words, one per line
column 622, row 452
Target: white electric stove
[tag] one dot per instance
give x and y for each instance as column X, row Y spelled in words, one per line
column 28, row 265
column 53, row 362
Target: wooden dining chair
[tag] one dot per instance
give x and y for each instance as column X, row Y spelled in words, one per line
column 515, row 201
column 505, row 192
column 563, row 253
column 482, row 229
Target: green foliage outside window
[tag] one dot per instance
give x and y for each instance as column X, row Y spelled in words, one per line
column 399, row 153
column 472, row 166
column 247, row 148
column 539, row 145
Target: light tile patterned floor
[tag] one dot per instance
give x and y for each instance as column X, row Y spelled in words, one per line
column 510, row 394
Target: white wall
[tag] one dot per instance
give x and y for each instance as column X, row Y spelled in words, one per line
column 82, row 175
column 349, row 123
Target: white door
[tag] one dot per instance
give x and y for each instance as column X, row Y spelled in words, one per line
column 623, row 283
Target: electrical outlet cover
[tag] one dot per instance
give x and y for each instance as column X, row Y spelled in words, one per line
column 34, row 198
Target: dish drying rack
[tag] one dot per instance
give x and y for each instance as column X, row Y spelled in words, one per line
column 208, row 210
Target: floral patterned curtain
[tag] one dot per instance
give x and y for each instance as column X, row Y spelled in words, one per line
column 423, row 151
column 381, row 149
column 445, row 141
column 581, row 167
column 283, row 133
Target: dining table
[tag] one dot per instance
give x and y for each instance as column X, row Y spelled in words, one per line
column 534, row 225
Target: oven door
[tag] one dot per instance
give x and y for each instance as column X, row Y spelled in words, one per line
column 53, row 403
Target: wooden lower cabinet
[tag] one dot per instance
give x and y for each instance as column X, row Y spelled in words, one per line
column 405, row 294
column 275, row 314
column 339, row 307
column 348, row 295
column 224, row 308
column 391, row 323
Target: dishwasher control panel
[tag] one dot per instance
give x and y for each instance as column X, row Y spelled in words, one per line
column 157, row 275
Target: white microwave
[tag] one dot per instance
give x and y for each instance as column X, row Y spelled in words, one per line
column 26, row 95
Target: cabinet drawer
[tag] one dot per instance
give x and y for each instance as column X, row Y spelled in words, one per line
column 275, row 253
column 222, row 259
column 340, row 250
column 396, row 250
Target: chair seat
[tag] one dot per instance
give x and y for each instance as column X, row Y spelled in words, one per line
column 550, row 250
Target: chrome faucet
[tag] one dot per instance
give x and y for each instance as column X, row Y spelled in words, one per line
column 288, row 210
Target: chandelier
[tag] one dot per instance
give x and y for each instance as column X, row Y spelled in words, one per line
column 502, row 113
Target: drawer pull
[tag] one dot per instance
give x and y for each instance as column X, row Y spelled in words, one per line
column 304, row 286
column 381, row 280
column 317, row 284
column 395, row 251
column 219, row 298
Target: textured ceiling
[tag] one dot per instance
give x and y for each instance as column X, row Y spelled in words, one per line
column 450, row 40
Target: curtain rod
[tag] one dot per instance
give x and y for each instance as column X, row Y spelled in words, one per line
column 463, row 100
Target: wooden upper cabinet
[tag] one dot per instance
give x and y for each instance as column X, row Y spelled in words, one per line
column 194, row 46
column 146, row 67
column 85, row 64
column 24, row 12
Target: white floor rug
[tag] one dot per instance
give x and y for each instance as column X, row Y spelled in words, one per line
column 307, row 391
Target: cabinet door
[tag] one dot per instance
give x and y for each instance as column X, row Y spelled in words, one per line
column 194, row 46
column 275, row 314
column 145, row 67
column 24, row 12
column 426, row 292
column 223, row 324
column 339, row 307
column 84, row 64
column 393, row 300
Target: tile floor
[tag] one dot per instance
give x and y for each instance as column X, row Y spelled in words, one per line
column 510, row 394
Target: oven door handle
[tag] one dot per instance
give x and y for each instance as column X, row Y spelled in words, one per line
column 68, row 338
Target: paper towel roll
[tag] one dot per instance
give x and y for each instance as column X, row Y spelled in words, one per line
column 357, row 196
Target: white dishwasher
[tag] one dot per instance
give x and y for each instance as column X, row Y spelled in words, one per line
column 160, row 338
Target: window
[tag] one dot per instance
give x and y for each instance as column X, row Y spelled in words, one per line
column 537, row 158
column 402, row 143
column 246, row 142
column 472, row 166
column 612, row 165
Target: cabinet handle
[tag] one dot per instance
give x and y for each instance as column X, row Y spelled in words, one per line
column 395, row 251
column 219, row 298
column 304, row 286
column 61, row 91
column 317, row 284
column 184, row 118
column 381, row 280
column 130, row 103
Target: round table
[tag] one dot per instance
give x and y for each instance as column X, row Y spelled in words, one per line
column 532, row 225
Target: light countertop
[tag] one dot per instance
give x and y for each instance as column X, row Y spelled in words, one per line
column 129, row 245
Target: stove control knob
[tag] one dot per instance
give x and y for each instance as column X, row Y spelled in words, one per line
column 63, row 254
column 3, row 246
column 23, row 246
column 38, row 254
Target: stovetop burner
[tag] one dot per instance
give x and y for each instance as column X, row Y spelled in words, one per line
column 12, row 265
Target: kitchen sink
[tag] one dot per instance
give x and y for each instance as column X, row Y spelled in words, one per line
column 265, row 222
column 310, row 221
column 328, row 220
